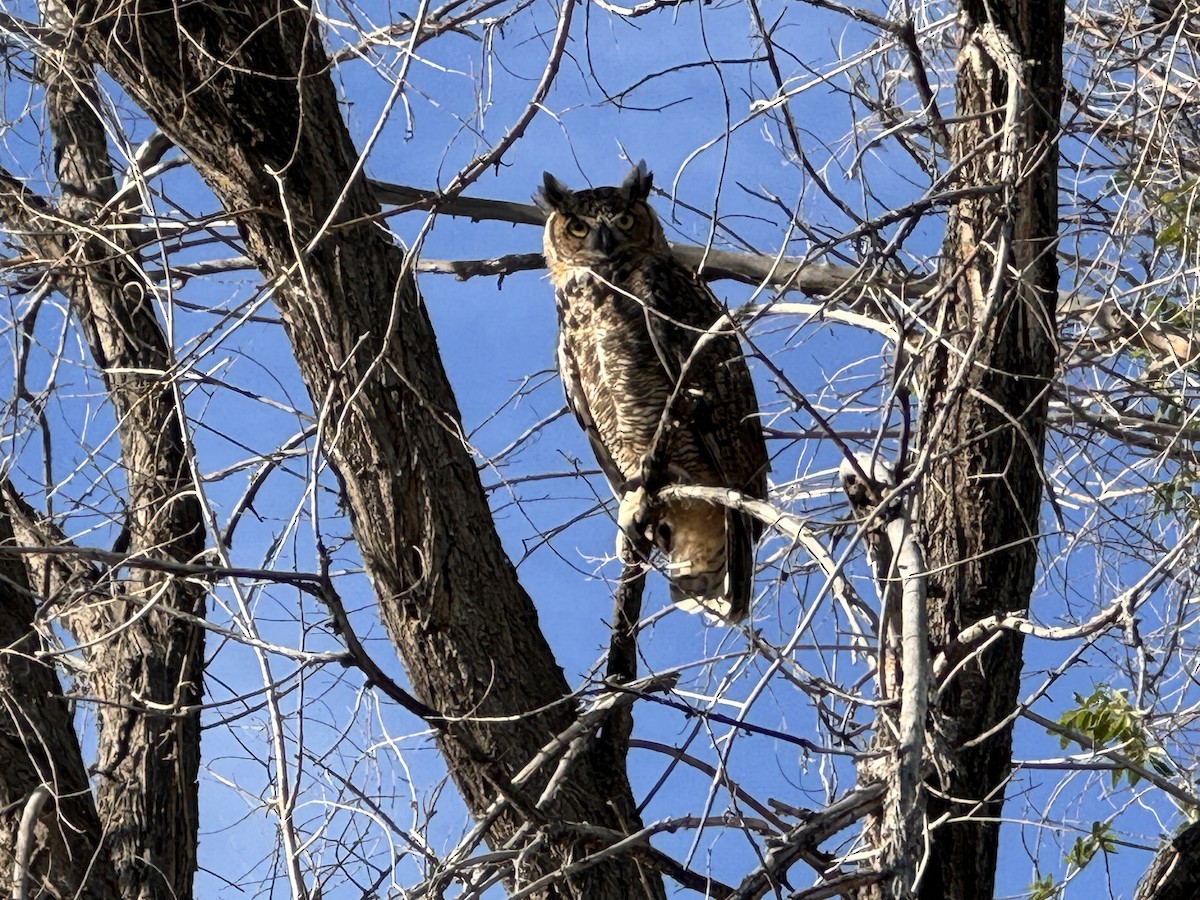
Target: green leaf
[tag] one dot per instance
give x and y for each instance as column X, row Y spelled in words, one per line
column 1042, row 888
column 1170, row 236
column 1102, row 838
column 1107, row 719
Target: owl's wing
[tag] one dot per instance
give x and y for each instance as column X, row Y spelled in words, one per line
column 721, row 407
column 568, row 370
column 720, row 422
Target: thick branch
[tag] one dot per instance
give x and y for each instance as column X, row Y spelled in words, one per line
column 805, row 838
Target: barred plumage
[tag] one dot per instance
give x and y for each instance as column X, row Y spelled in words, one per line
column 639, row 334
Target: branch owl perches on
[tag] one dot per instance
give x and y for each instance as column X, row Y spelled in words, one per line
column 656, row 377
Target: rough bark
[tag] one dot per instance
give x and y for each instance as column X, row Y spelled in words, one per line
column 983, row 413
column 144, row 667
column 1175, row 872
column 987, row 371
column 38, row 746
column 243, row 88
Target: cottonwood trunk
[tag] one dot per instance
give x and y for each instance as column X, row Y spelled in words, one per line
column 39, row 748
column 243, row 88
column 1175, row 872
column 983, row 414
column 990, row 356
column 144, row 665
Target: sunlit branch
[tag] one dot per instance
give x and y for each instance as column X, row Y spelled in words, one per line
column 1116, row 612
column 580, row 730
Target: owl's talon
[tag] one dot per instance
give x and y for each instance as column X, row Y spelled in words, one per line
column 633, row 514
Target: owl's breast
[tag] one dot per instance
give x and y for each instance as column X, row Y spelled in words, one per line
column 611, row 370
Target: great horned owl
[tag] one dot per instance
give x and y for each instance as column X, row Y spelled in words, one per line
column 645, row 349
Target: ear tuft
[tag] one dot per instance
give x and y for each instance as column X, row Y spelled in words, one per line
column 552, row 195
column 637, row 183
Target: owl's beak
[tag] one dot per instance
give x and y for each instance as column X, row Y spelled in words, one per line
column 602, row 239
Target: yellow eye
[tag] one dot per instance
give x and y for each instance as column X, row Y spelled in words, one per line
column 577, row 228
column 624, row 221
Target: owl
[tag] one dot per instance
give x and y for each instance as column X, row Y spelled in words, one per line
column 657, row 380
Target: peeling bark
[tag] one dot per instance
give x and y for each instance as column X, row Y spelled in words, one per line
column 987, row 373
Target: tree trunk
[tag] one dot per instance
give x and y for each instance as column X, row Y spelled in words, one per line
column 38, row 746
column 243, row 88
column 1175, row 872
column 144, row 667
column 983, row 414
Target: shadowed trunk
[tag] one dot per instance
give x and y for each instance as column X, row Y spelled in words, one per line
column 243, row 88
column 1175, row 872
column 38, row 746
column 983, row 413
column 987, row 369
column 144, row 665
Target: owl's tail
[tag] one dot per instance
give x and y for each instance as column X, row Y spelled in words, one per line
column 710, row 552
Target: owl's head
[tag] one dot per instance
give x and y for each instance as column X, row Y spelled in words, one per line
column 602, row 225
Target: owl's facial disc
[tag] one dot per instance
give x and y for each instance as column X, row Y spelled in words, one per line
column 596, row 238
column 599, row 226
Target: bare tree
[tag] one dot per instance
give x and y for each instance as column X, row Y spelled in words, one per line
column 1021, row 409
